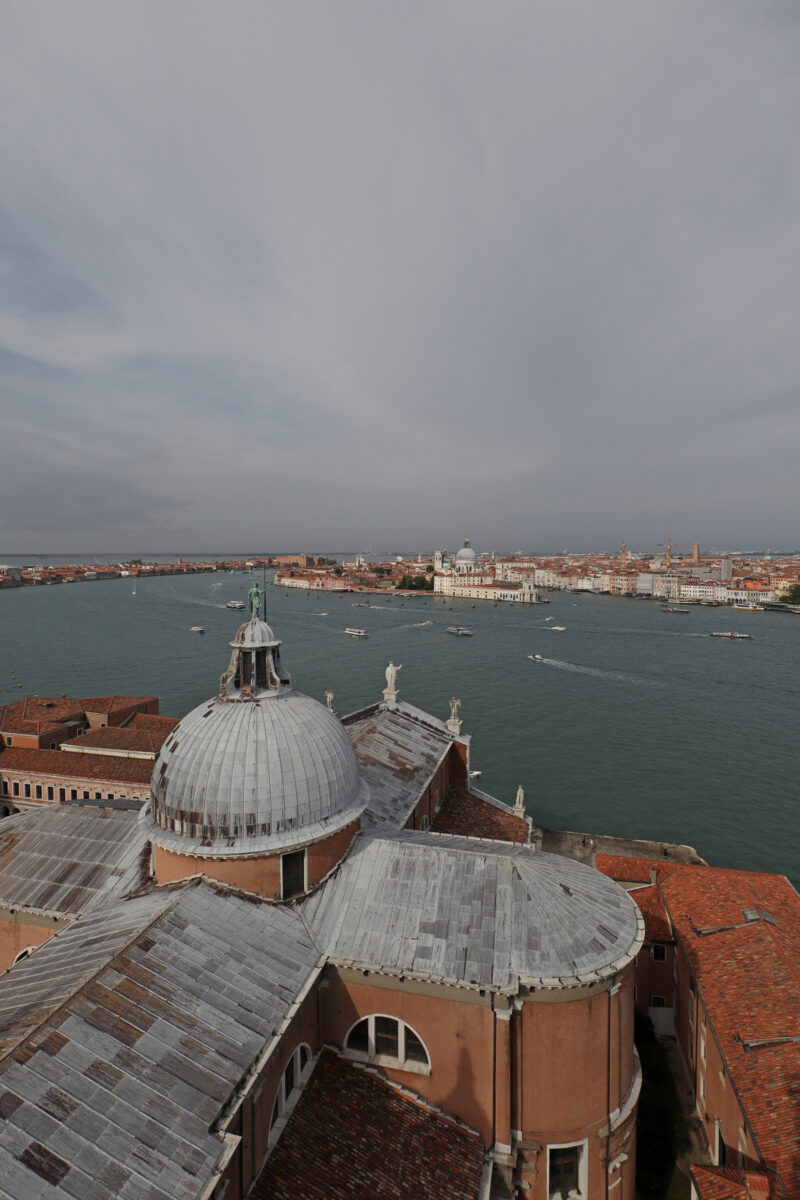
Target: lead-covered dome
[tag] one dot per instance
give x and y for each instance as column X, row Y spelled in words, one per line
column 466, row 556
column 257, row 769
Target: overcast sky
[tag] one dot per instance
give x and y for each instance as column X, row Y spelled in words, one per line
column 308, row 275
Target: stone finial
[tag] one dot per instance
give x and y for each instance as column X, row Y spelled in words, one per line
column 519, row 803
column 328, row 697
column 454, row 724
column 390, row 691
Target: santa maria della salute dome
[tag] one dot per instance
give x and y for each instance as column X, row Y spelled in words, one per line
column 259, row 767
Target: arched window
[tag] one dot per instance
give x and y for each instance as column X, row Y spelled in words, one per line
column 295, row 1074
column 388, row 1042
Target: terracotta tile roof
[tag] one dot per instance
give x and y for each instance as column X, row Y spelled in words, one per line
column 67, row 764
column 468, row 815
column 741, row 933
column 656, row 921
column 633, row 870
column 729, row 1183
column 352, row 1133
column 150, row 721
column 36, row 714
column 126, row 737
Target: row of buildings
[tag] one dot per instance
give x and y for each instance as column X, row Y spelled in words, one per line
column 309, row 958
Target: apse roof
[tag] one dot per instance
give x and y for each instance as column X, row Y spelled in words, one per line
column 474, row 913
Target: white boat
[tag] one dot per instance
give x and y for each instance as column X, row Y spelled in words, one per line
column 558, row 628
column 360, row 633
column 459, row 631
column 133, row 593
column 197, row 629
column 536, row 657
column 237, row 604
column 743, row 636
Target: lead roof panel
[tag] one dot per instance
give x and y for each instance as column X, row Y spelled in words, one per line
column 125, row 1035
column 69, row 859
column 398, row 753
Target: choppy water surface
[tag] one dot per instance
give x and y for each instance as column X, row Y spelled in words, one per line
column 635, row 722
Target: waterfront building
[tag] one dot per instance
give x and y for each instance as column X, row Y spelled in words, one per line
column 329, row 921
column 467, row 579
column 86, row 751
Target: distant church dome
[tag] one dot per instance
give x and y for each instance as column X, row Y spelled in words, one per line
column 258, row 769
column 466, row 558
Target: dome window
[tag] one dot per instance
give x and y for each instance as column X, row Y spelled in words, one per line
column 293, row 874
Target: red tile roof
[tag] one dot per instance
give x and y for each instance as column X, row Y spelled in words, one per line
column 68, row 765
column 38, row 714
column 468, row 815
column 656, row 921
column 728, row 1183
column 633, row 870
column 353, row 1134
column 150, row 721
column 748, row 976
column 126, row 737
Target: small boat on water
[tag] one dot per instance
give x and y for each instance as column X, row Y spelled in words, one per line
column 672, row 608
column 359, row 633
column 741, row 636
column 197, row 629
column 557, row 628
column 237, row 604
column 536, row 657
column 361, row 604
column 459, row 631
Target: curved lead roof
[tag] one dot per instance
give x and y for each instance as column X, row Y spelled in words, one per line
column 475, row 913
column 258, row 768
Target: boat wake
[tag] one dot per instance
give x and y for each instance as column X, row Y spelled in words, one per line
column 597, row 672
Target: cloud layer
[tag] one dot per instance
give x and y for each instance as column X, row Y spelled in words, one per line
column 311, row 275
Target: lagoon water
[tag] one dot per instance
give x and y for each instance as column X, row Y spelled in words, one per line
column 636, row 722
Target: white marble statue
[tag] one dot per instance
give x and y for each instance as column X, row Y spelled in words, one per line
column 390, row 691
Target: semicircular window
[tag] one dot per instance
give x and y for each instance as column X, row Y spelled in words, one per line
column 388, row 1042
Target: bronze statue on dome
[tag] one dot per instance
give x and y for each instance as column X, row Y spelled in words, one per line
column 254, row 596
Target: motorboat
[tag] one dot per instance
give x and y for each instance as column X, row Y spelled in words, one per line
column 197, row 629
column 536, row 657
column 557, row 628
column 459, row 631
column 742, row 636
column 237, row 604
column 672, row 608
column 358, row 633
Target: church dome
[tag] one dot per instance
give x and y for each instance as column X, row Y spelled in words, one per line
column 466, row 555
column 257, row 769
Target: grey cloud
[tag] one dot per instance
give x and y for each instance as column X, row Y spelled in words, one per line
column 412, row 271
